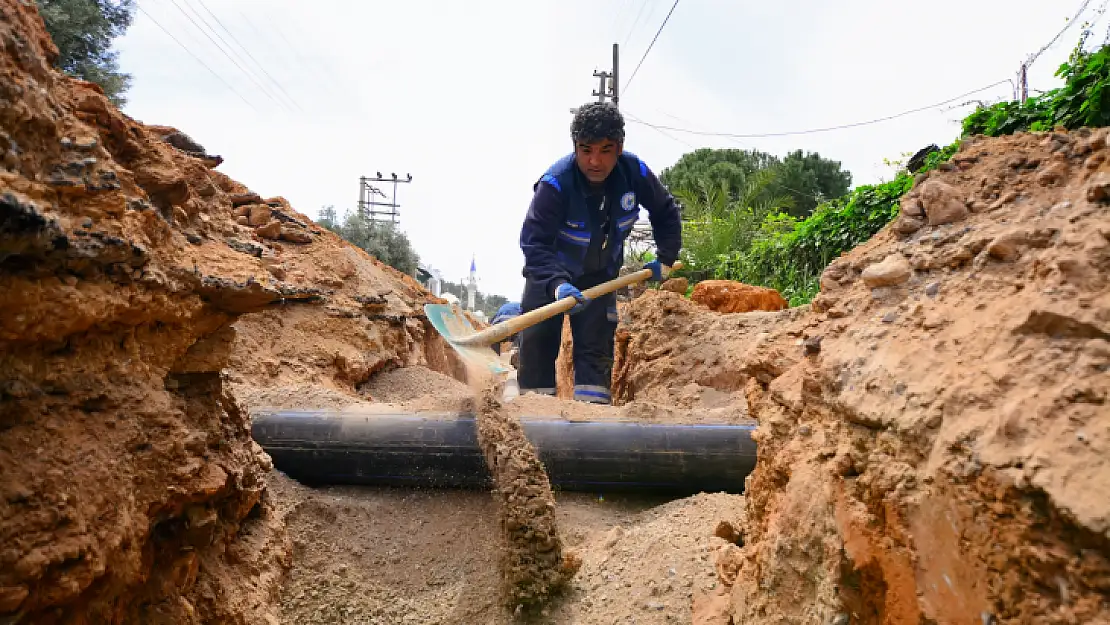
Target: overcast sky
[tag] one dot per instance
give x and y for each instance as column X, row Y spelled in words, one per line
column 472, row 98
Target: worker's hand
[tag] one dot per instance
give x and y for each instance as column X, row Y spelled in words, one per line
column 567, row 289
column 658, row 270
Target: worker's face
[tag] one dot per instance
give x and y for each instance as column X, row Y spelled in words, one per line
column 597, row 160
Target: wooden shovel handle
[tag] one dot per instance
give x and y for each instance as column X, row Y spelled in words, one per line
column 501, row 331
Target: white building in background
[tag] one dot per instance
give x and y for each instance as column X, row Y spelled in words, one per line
column 430, row 278
column 471, row 286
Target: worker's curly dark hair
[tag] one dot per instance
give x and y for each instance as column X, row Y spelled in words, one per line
column 597, row 121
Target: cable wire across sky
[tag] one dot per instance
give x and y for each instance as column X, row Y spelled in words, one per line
column 1071, row 22
column 761, row 135
column 650, row 46
column 248, row 52
column 198, row 59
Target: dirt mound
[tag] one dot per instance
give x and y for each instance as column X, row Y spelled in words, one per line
column 933, row 427
column 130, row 489
column 671, row 351
column 418, row 387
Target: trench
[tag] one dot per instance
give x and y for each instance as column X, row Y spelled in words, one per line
column 392, row 520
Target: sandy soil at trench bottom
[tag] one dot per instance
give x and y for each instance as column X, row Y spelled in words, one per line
column 369, row 555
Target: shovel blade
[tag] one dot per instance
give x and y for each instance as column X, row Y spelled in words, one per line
column 453, row 325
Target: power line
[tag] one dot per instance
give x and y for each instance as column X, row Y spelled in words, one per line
column 816, row 198
column 643, row 5
column 332, row 81
column 828, row 129
column 650, row 46
column 236, row 63
column 1082, row 8
column 198, row 59
column 660, row 131
column 244, row 48
column 246, row 70
column 621, row 9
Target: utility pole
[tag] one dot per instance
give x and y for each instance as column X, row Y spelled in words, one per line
column 601, row 92
column 615, row 83
column 1023, row 82
column 608, row 83
column 368, row 206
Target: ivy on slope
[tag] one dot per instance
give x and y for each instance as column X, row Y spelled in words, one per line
column 789, row 254
column 1084, row 100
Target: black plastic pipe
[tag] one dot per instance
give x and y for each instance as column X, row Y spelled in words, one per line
column 441, row 451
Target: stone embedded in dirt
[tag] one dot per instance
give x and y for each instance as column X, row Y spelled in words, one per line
column 811, row 346
column 892, row 271
column 911, row 205
column 676, row 285
column 942, row 203
column 295, row 235
column 833, row 275
column 1059, row 325
column 239, row 199
column 727, row 531
column 1007, row 246
column 271, row 231
column 728, row 296
column 1054, row 174
column 1098, row 189
column 259, row 215
column 907, row 225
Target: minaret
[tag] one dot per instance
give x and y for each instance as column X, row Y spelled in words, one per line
column 471, row 286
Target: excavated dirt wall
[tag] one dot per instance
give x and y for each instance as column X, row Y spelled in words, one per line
column 934, row 430
column 137, row 283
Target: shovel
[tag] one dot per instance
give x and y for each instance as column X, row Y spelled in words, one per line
column 476, row 347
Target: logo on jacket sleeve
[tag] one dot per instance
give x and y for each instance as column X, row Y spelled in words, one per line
column 628, row 201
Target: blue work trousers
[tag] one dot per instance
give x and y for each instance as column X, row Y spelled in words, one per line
column 592, row 329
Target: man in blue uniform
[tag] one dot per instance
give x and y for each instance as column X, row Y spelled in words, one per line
column 573, row 236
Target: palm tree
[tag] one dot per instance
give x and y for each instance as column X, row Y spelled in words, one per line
column 717, row 221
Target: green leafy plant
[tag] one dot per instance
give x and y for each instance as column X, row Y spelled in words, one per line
column 83, row 31
column 1084, row 100
column 719, row 220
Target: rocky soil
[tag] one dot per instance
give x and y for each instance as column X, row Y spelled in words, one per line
column 143, row 290
column 934, row 428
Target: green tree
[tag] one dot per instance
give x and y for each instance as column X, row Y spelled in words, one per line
column 83, row 31
column 807, row 178
column 383, row 241
column 810, row 180
column 694, row 170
